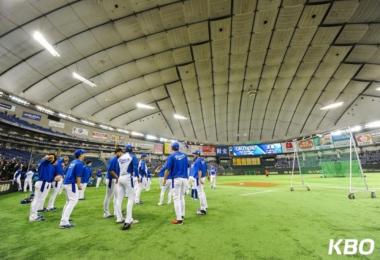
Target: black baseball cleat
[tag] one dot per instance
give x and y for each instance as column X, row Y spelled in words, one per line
column 41, row 210
column 120, row 222
column 66, row 226
column 126, row 226
column 201, row 212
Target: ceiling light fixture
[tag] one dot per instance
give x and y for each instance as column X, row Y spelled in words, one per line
column 87, row 122
column 179, row 117
column 106, row 127
column 337, row 132
column 42, row 40
column 356, row 128
column 373, row 124
column 136, row 133
column 19, row 100
column 44, row 110
column 123, row 131
column 333, row 105
column 144, row 106
column 163, row 139
column 150, row 137
column 67, row 117
column 84, row 80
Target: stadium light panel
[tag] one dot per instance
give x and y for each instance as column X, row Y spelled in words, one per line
column 19, row 100
column 42, row 40
column 87, row 122
column 106, row 127
column 1, row 93
column 123, row 131
column 84, row 80
column 337, row 132
column 44, row 110
column 151, row 137
column 179, row 117
column 332, row 106
column 144, row 106
column 373, row 124
column 378, row 89
column 136, row 133
column 67, row 117
column 163, row 139
column 356, row 128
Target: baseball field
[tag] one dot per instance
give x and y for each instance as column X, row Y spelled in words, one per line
column 249, row 217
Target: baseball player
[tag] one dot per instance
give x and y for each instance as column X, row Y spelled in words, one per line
column 148, row 179
column 193, row 183
column 176, row 169
column 128, row 164
column 46, row 172
column 140, row 179
column 199, row 173
column 85, row 179
column 72, row 184
column 163, row 187
column 113, row 172
column 17, row 178
column 213, row 177
column 29, row 180
column 57, row 185
column 98, row 177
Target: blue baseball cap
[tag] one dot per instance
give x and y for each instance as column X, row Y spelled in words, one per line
column 175, row 146
column 197, row 152
column 143, row 155
column 128, row 148
column 79, row 152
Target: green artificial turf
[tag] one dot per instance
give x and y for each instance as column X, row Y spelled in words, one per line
column 242, row 223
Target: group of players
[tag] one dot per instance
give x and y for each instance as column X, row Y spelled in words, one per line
column 126, row 178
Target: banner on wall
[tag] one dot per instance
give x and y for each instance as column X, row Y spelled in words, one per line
column 306, row 145
column 80, row 132
column 31, row 116
column 222, row 151
column 158, row 149
column 167, row 148
column 246, row 161
column 255, row 149
column 7, row 107
column 288, row 147
column 341, row 140
column 100, row 135
column 364, row 138
column 208, row 150
column 56, row 124
column 194, row 148
column 323, row 142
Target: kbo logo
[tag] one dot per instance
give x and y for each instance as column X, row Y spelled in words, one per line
column 351, row 246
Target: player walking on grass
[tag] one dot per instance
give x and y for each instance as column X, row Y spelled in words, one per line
column 213, row 177
column 57, row 185
column 72, row 186
column 46, row 172
column 28, row 182
column 176, row 169
column 128, row 164
column 199, row 173
column 113, row 172
column 166, row 187
column 140, row 184
column 85, row 179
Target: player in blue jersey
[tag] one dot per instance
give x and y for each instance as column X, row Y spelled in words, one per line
column 46, row 175
column 140, row 181
column 213, row 177
column 72, row 186
column 128, row 164
column 167, row 187
column 87, row 173
column 57, row 185
column 199, row 170
column 176, row 169
column 99, row 176
column 113, row 172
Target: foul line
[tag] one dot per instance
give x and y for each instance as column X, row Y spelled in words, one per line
column 257, row 192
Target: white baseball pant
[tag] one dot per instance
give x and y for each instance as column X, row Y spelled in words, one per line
column 18, row 181
column 123, row 187
column 138, row 186
column 28, row 184
column 110, row 193
column 40, row 192
column 179, row 197
column 98, row 180
column 72, row 196
column 164, row 188
column 202, row 194
column 56, row 188
column 81, row 192
column 213, row 181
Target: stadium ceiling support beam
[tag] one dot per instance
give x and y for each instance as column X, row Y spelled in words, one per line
column 84, row 31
